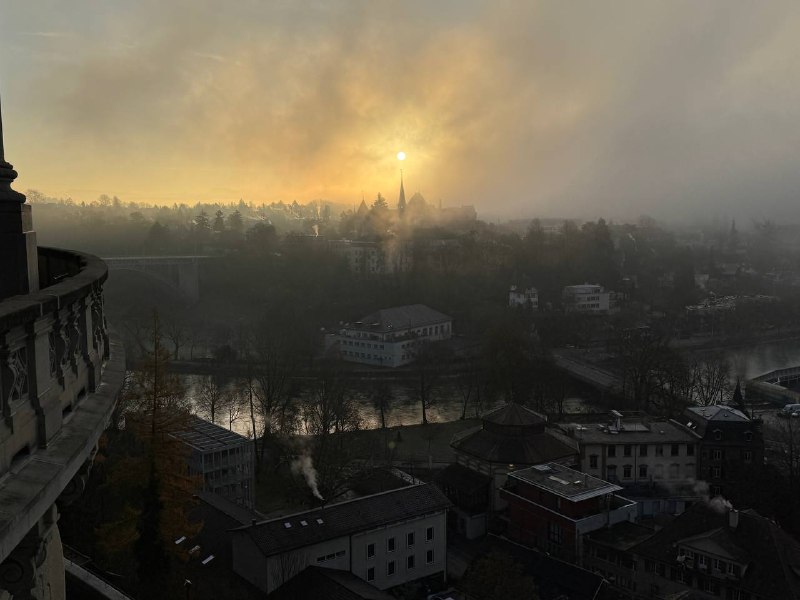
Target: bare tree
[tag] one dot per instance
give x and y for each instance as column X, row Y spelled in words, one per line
column 428, row 369
column 640, row 350
column 381, row 396
column 210, row 397
column 712, row 381
column 178, row 335
column 675, row 381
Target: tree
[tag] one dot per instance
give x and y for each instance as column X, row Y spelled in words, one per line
column 498, row 575
column 381, row 396
column 235, row 222
column 210, row 397
column 428, row 369
column 219, row 222
column 712, row 381
column 148, row 480
column 640, row 350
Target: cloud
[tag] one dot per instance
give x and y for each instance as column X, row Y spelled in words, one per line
column 519, row 107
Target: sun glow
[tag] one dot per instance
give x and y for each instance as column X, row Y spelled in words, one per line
column 401, row 155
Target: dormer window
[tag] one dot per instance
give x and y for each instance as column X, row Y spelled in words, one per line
column 717, row 434
column 748, row 436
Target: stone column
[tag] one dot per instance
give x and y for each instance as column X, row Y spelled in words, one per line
column 19, row 263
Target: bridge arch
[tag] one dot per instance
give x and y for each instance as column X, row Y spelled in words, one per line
column 181, row 273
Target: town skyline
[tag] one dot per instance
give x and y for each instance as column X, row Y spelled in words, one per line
column 542, row 109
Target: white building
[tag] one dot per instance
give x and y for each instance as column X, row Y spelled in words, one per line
column 586, row 298
column 391, row 337
column 655, row 461
column 386, row 539
column 529, row 297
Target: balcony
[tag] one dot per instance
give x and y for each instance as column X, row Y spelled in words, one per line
column 60, row 374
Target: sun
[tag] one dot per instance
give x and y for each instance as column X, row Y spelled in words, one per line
column 401, row 155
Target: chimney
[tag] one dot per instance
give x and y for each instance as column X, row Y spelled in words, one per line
column 733, row 518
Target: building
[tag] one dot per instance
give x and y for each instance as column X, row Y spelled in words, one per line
column 552, row 507
column 61, row 370
column 374, row 258
column 586, row 298
column 737, row 555
column 385, row 539
column 509, row 437
column 224, row 459
column 390, row 337
column 319, row 582
column 528, row 298
column 729, row 443
column 655, row 460
column 607, row 553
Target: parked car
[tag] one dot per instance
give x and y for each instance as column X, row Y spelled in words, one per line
column 790, row 410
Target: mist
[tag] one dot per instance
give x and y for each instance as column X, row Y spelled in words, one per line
column 673, row 109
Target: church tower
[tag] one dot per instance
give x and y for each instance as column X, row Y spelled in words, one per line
column 401, row 202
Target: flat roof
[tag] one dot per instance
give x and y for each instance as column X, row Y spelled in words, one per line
column 206, row 436
column 565, row 482
column 400, row 318
column 631, row 432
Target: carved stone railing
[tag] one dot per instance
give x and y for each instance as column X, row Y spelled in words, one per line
column 60, row 375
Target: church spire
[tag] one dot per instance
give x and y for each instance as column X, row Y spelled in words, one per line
column 401, row 203
column 7, row 173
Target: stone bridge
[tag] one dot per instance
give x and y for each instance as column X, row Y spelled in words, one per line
column 180, row 273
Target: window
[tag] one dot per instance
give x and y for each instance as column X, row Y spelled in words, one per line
column 717, row 472
column 627, row 449
column 626, row 471
column 717, row 434
column 554, row 533
column 370, row 550
column 340, row 554
column 371, row 574
column 676, row 450
column 593, row 461
column 611, row 472
column 429, row 556
column 642, row 449
column 659, row 450
column 410, row 562
column 390, row 545
column 748, row 456
column 748, row 436
column 429, row 534
column 612, row 450
column 643, row 471
column 702, row 561
column 716, row 490
column 410, row 539
column 390, row 568
column 717, row 455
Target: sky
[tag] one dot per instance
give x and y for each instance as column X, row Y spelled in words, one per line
column 675, row 109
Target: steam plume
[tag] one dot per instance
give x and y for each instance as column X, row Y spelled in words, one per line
column 305, row 465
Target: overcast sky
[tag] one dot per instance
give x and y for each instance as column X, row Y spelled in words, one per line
column 597, row 108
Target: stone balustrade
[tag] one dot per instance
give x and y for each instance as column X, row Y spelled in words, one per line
column 60, row 374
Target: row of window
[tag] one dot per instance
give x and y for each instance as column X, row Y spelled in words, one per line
column 674, row 449
column 391, row 565
column 391, row 546
column 658, row 471
column 363, row 344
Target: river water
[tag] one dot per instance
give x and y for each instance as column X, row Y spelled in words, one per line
column 746, row 362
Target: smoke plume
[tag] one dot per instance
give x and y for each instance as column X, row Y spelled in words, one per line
column 305, row 465
column 717, row 503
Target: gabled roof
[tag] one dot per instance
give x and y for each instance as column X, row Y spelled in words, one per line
column 718, row 412
column 403, row 317
column 772, row 556
column 346, row 518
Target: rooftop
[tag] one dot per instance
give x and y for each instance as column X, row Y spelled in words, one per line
column 401, row 317
column 346, row 518
column 206, row 436
column 629, row 432
column 772, row 556
column 718, row 412
column 565, row 482
column 330, row 584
